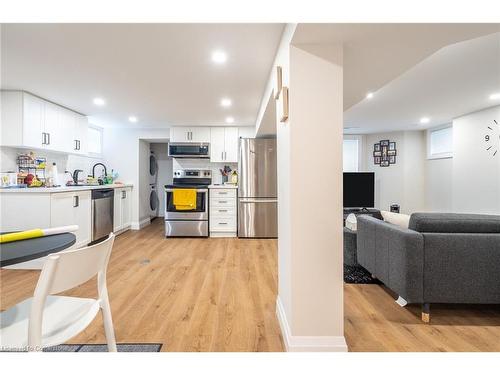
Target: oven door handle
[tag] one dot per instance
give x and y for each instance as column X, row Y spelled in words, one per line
column 197, row 190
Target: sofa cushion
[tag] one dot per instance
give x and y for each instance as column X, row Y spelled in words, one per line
column 400, row 220
column 454, row 223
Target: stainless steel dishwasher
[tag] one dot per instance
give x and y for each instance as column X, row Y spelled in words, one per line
column 102, row 213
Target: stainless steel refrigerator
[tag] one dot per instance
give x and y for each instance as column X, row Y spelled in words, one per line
column 257, row 189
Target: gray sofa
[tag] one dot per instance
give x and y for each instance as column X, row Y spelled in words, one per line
column 440, row 258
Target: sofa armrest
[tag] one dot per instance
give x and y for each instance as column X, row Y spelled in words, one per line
column 462, row 267
column 394, row 255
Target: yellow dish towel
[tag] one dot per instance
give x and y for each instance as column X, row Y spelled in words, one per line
column 18, row 236
column 185, row 199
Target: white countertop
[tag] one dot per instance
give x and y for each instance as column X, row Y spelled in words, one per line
column 63, row 188
column 228, row 186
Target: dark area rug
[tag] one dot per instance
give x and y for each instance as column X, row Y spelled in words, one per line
column 358, row 275
column 142, row 348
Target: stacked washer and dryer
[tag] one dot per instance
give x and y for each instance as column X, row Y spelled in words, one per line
column 154, row 201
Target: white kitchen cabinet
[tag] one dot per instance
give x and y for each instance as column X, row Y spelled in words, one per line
column 58, row 125
column 32, row 128
column 24, row 211
column 223, row 212
column 122, row 215
column 73, row 208
column 29, row 121
column 80, row 134
column 200, row 134
column 190, row 134
column 224, row 144
column 231, row 142
column 217, row 144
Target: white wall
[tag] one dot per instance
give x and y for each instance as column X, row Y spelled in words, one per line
column 316, row 95
column 476, row 172
column 310, row 286
column 401, row 183
column 468, row 182
column 143, row 187
column 123, row 152
column 165, row 172
column 64, row 162
column 204, row 164
column 438, row 185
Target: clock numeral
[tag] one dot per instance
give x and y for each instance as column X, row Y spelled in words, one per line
column 487, row 138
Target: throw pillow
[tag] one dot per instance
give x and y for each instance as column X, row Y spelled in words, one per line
column 351, row 222
column 400, row 220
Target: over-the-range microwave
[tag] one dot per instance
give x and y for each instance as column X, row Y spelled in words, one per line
column 189, row 150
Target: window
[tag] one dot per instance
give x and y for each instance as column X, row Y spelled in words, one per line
column 94, row 140
column 440, row 142
column 351, row 155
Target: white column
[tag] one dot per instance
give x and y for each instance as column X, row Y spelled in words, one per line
column 310, row 291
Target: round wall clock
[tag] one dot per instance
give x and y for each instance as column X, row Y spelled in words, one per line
column 492, row 137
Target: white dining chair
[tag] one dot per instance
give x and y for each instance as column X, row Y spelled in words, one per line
column 46, row 319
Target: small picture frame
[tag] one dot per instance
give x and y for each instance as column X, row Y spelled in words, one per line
column 377, row 153
column 279, row 82
column 391, row 152
column 284, row 99
column 376, row 160
column 384, row 163
column 392, row 159
column 384, row 143
column 392, row 146
column 376, row 147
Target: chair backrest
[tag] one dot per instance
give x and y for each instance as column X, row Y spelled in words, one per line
column 70, row 268
column 66, row 270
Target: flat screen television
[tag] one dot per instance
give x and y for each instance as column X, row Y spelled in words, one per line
column 359, row 189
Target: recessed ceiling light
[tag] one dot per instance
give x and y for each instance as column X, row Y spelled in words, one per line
column 495, row 96
column 99, row 101
column 369, row 95
column 132, row 119
column 219, row 57
column 425, row 120
column 226, row 102
column 229, row 120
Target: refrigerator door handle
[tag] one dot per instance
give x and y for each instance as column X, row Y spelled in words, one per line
column 262, row 200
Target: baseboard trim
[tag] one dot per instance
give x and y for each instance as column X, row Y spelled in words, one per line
column 136, row 225
column 307, row 343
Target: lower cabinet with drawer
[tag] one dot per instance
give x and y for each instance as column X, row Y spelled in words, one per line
column 222, row 208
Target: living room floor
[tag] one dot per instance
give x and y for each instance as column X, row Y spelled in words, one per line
column 374, row 322
column 219, row 295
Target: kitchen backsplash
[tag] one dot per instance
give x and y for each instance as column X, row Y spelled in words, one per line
column 203, row 164
column 64, row 162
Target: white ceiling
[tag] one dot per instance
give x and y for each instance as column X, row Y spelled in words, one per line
column 456, row 80
column 375, row 54
column 161, row 73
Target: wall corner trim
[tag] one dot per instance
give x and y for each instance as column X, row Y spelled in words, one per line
column 307, row 343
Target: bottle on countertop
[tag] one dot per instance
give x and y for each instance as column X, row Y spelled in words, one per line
column 234, row 177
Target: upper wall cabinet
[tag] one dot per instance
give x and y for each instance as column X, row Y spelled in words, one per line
column 190, row 134
column 224, row 144
column 29, row 121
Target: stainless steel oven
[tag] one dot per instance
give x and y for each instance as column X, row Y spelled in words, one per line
column 188, row 223
column 189, row 150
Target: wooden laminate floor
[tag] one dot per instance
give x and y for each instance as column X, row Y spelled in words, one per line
column 219, row 295
column 212, row 294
